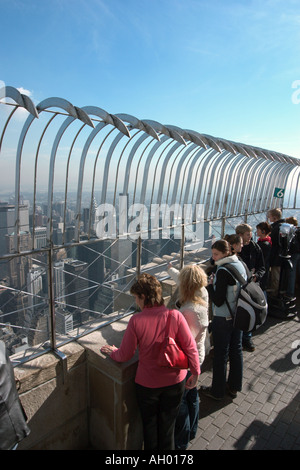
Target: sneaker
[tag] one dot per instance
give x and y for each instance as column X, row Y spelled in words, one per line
column 232, row 393
column 207, row 392
column 248, row 346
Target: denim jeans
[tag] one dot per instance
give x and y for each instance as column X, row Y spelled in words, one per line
column 187, row 418
column 227, row 342
column 159, row 408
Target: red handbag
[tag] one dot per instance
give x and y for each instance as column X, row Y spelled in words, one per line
column 170, row 353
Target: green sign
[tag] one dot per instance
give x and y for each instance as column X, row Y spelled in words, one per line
column 279, row 192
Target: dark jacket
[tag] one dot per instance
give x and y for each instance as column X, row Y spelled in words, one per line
column 275, row 259
column 252, row 256
column 266, row 247
column 13, row 427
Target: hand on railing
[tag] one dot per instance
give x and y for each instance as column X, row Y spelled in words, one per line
column 107, row 349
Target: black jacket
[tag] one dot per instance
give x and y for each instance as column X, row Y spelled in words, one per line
column 252, row 256
column 275, row 259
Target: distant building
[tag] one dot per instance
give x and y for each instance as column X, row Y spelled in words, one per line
column 7, row 222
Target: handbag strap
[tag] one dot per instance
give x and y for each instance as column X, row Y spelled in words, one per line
column 168, row 324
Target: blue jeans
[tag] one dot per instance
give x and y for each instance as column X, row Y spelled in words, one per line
column 227, row 342
column 187, row 418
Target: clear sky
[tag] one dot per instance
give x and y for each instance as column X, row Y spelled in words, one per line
column 221, row 67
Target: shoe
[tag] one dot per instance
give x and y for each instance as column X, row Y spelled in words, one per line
column 248, row 346
column 232, row 393
column 207, row 392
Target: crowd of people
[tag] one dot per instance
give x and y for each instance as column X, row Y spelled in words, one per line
column 168, row 398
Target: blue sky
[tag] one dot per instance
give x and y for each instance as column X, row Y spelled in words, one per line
column 220, row 67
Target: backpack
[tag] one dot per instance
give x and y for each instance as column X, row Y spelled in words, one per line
column 251, row 308
column 295, row 241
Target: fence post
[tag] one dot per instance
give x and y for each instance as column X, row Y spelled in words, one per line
column 51, row 299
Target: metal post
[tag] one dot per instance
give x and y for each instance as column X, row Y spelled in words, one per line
column 139, row 256
column 182, row 247
column 51, row 299
column 223, row 227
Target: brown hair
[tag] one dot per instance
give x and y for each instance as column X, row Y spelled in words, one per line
column 264, row 227
column 222, row 246
column 292, row 220
column 233, row 238
column 150, row 287
column 191, row 279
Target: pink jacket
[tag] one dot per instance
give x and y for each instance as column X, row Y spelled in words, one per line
column 146, row 330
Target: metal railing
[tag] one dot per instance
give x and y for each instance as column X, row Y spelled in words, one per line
column 91, row 199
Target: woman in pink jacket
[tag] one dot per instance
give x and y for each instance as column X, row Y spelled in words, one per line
column 159, row 390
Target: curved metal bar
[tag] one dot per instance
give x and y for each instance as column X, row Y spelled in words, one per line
column 204, row 168
column 191, row 171
column 253, row 188
column 189, row 135
column 67, row 181
column 42, row 106
column 174, row 134
column 212, row 177
column 177, row 176
column 147, row 167
column 141, row 125
column 157, row 144
column 107, row 164
column 107, row 119
column 112, row 119
column 207, row 140
column 254, row 192
column 266, row 189
column 6, row 124
column 129, row 160
column 233, row 169
column 296, row 190
column 163, row 172
column 115, row 121
column 243, row 179
column 35, row 176
column 22, row 100
column 118, row 166
column 57, row 139
column 189, row 158
column 228, row 159
column 94, row 174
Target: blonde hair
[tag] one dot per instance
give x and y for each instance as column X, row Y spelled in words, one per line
column 191, row 279
column 276, row 213
column 243, row 228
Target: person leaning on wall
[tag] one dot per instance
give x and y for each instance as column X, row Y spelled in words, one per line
column 159, row 389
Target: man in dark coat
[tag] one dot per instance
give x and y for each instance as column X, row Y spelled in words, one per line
column 252, row 256
column 275, row 217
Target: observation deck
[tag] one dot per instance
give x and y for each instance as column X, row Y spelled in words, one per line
column 90, row 200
